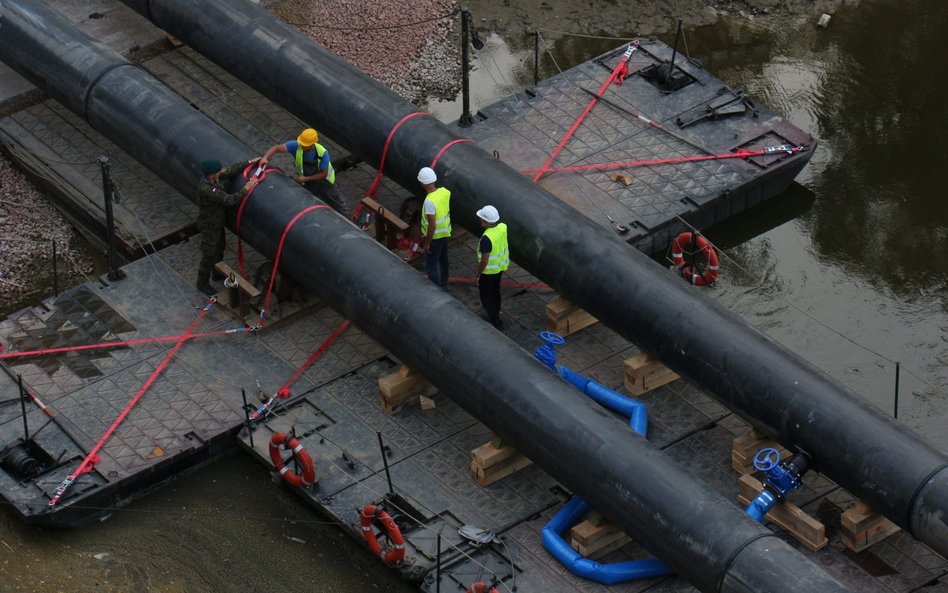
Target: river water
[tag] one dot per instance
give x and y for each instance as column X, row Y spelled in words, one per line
column 849, row 269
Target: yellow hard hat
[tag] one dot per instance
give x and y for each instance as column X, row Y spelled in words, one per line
column 308, row 137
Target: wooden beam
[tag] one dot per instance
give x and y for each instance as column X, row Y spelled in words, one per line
column 595, row 541
column 786, row 515
column 490, row 463
column 861, row 527
column 401, row 388
column 565, row 318
column 643, row 373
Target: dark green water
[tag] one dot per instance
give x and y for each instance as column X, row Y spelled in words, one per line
column 861, row 246
column 850, row 268
column 869, row 258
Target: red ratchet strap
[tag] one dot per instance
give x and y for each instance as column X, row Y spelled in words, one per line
column 102, row 345
column 737, row 154
column 276, row 260
column 615, row 73
column 93, row 457
column 503, row 283
column 374, row 186
column 260, row 173
column 445, row 149
column 284, row 391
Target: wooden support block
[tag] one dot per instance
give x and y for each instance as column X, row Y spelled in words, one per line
column 788, row 516
column 397, row 390
column 499, row 471
column 489, row 455
column 565, row 318
column 490, row 463
column 746, row 446
column 595, row 541
column 427, row 403
column 245, row 286
column 620, row 178
column 861, row 527
column 237, row 298
column 387, row 223
column 643, row 373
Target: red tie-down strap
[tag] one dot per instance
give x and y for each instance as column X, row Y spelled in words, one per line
column 260, row 173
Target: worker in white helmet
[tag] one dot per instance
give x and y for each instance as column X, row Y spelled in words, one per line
column 435, row 226
column 493, row 259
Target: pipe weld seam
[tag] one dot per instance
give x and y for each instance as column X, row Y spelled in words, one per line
column 95, row 83
column 737, row 552
column 909, row 524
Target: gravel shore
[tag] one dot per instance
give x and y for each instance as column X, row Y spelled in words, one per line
column 403, row 45
column 28, row 226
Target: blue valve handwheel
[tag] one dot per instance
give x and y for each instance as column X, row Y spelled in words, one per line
column 552, row 338
column 766, row 459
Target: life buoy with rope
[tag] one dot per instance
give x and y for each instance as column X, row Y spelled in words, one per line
column 481, row 587
column 394, row 554
column 695, row 243
column 281, row 440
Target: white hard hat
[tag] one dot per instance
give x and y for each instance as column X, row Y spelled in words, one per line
column 427, row 175
column 488, row 214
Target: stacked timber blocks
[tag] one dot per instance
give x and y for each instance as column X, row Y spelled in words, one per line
column 237, row 299
column 786, row 515
column 860, row 527
column 746, row 446
column 565, row 318
column 404, row 387
column 594, row 537
column 644, row 373
column 494, row 461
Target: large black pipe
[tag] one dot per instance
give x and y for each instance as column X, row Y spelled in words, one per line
column 704, row 537
column 881, row 461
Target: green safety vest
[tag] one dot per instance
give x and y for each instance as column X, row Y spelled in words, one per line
column 320, row 151
column 441, row 198
column 499, row 259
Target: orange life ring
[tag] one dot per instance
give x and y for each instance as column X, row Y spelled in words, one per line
column 480, row 587
column 279, row 440
column 392, row 556
column 695, row 243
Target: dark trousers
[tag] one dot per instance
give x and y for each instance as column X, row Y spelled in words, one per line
column 436, row 262
column 489, row 287
column 328, row 193
column 212, row 251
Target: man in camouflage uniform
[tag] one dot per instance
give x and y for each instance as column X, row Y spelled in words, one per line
column 213, row 200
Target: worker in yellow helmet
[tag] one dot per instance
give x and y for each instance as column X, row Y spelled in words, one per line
column 312, row 167
column 435, row 226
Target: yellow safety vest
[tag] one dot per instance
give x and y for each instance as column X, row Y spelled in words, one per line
column 441, row 198
column 499, row 259
column 320, row 151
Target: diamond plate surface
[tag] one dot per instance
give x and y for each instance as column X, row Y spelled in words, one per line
column 527, row 130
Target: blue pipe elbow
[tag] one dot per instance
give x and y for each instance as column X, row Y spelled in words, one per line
column 759, row 507
column 635, row 410
column 553, row 542
column 604, row 573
